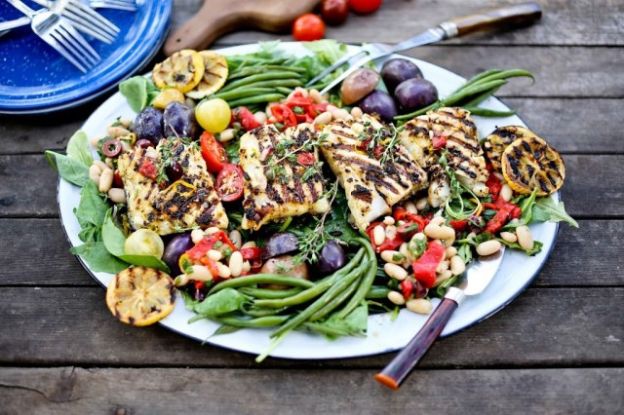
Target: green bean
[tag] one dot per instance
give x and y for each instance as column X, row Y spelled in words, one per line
column 479, row 77
column 239, row 73
column 335, row 289
column 266, row 293
column 504, row 75
column 474, row 102
column 260, row 322
column 313, row 292
column 256, row 100
column 261, row 279
column 262, row 312
column 472, row 91
column 324, row 329
column 377, row 292
column 246, row 92
column 484, row 112
column 273, row 84
column 336, row 301
column 284, row 90
column 367, row 281
column 266, row 76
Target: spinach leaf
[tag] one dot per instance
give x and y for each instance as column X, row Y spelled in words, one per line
column 78, row 148
column 70, row 169
column 92, row 207
column 547, row 210
column 146, row 261
column 222, row 302
column 98, row 258
column 139, row 92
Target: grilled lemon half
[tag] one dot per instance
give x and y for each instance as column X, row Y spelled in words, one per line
column 183, row 71
column 215, row 75
column 496, row 143
column 140, row 296
column 530, row 163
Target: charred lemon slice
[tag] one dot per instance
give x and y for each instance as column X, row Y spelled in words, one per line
column 496, row 143
column 530, row 163
column 140, row 296
column 215, row 75
column 183, row 71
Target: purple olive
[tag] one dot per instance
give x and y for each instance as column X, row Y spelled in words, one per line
column 380, row 103
column 281, row 244
column 332, row 257
column 415, row 94
column 148, row 125
column 398, row 70
column 111, row 148
column 179, row 121
column 178, row 245
column 419, row 290
column 143, row 143
column 175, row 172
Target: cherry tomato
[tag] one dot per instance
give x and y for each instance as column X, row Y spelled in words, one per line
column 230, row 183
column 245, row 118
column 306, row 159
column 213, row 152
column 334, row 12
column 308, row 27
column 364, row 6
column 213, row 115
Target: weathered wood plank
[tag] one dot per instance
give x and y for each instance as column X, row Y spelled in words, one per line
column 574, row 261
column 188, row 391
column 553, row 118
column 543, row 327
column 592, row 186
column 579, row 22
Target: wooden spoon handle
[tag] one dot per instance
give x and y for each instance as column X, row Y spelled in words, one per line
column 508, row 17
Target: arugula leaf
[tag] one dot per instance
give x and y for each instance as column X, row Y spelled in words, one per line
column 78, row 148
column 139, row 92
column 537, row 247
column 98, row 258
column 222, row 302
column 547, row 210
column 70, row 169
column 92, row 207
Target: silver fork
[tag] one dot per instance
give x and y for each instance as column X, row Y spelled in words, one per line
column 61, row 35
column 127, row 5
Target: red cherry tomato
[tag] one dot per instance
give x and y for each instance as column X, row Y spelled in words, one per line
column 213, row 152
column 308, row 27
column 230, row 183
column 364, row 6
column 334, row 12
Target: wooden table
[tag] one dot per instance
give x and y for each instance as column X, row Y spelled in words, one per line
column 559, row 348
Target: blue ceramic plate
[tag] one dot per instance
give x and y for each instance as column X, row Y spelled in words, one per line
column 34, row 78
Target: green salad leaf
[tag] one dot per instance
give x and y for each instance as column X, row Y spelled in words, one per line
column 78, row 148
column 72, row 170
column 139, row 92
column 222, row 302
column 354, row 324
column 547, row 210
column 99, row 259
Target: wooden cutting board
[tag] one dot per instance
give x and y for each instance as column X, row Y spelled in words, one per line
column 218, row 17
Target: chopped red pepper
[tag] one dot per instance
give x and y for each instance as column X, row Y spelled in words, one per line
column 494, row 184
column 438, row 142
column 245, row 118
column 388, row 244
column 407, row 288
column 504, row 212
column 459, row 225
column 199, row 285
column 282, row 114
column 253, row 255
column 424, row 268
column 306, row 158
column 148, row 168
column 401, row 214
column 200, row 250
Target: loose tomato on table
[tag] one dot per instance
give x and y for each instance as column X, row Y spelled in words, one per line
column 213, row 152
column 364, row 6
column 246, row 118
column 424, row 268
column 308, row 27
column 334, row 12
column 230, row 183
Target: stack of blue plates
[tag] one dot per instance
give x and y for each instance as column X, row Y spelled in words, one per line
column 35, row 79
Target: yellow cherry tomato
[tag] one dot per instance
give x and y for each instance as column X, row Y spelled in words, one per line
column 213, row 115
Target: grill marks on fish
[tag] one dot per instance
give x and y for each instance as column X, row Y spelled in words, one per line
column 371, row 188
column 274, row 187
column 186, row 203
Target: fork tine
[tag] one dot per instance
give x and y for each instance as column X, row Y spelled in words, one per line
column 115, row 4
column 94, row 17
column 70, row 44
column 335, row 66
column 56, row 44
column 93, row 30
column 82, row 42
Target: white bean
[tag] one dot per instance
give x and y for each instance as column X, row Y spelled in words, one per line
column 214, row 255
column 391, row 232
column 421, row 204
column 388, row 220
column 226, row 135
column 211, row 230
column 323, row 118
column 224, row 270
column 261, row 117
column 197, row 235
column 341, row 114
column 488, row 247
column 434, row 231
column 117, row 195
column 236, row 263
column 379, row 235
column 404, row 250
column 356, row 112
column 437, row 220
column 393, row 257
column 106, row 181
column 509, row 237
column 236, row 238
column 181, row 280
column 103, row 166
column 250, row 244
column 451, row 251
column 246, row 267
column 200, row 273
column 315, row 95
column 396, row 297
column 411, row 207
column 357, row 128
column 395, row 271
column 525, row 239
column 506, row 193
column 442, row 266
column 457, row 265
column 419, row 306
column 94, row 173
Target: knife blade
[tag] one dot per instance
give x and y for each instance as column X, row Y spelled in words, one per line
column 477, row 278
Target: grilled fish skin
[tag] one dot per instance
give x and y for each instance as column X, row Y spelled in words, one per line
column 277, row 185
column 371, row 188
column 187, row 203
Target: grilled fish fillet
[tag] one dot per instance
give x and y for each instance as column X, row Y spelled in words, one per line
column 187, row 203
column 372, row 188
column 278, row 182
